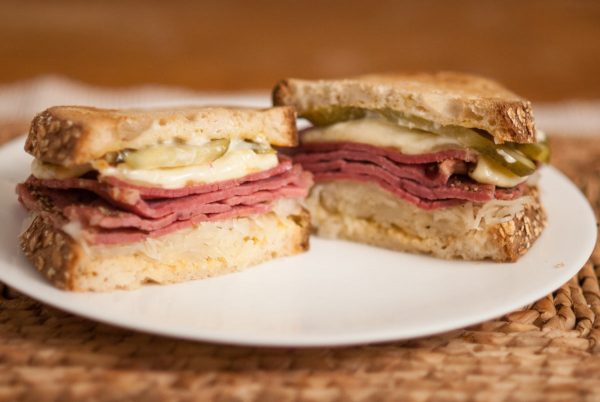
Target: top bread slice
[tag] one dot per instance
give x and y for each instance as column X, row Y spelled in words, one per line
column 75, row 135
column 444, row 98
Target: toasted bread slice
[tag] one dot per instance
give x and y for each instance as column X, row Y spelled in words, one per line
column 74, row 135
column 363, row 212
column 208, row 249
column 443, row 98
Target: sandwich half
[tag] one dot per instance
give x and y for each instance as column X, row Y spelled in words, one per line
column 121, row 198
column 442, row 164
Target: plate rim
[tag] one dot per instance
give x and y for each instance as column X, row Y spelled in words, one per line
column 340, row 340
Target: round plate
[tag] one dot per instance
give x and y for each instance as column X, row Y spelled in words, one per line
column 339, row 293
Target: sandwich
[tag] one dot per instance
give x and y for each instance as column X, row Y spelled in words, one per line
column 442, row 164
column 121, row 198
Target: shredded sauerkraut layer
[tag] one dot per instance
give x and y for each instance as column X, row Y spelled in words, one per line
column 208, row 249
column 216, row 236
column 370, row 202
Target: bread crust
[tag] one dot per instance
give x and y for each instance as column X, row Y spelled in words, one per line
column 444, row 98
column 75, row 135
column 72, row 265
column 53, row 252
column 517, row 236
column 361, row 212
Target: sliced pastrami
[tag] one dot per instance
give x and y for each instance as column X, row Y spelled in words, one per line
column 76, row 205
column 431, row 174
column 90, row 210
column 117, row 212
column 460, row 188
column 124, row 236
column 463, row 154
column 184, row 206
column 419, row 179
column 399, row 192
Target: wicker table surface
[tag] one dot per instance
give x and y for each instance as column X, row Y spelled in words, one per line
column 549, row 351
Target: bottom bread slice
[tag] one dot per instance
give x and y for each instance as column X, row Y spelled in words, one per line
column 364, row 212
column 209, row 249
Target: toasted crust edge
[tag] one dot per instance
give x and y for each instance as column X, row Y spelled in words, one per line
column 281, row 94
column 59, row 258
column 513, row 118
column 74, row 135
column 53, row 252
column 516, row 237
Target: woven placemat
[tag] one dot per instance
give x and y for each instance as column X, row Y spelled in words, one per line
column 549, row 351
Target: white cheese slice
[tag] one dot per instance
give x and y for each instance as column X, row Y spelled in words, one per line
column 234, row 164
column 380, row 133
column 239, row 160
column 487, row 172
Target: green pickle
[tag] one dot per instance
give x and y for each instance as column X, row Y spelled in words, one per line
column 504, row 155
column 515, row 158
column 327, row 116
column 539, row 152
column 176, row 155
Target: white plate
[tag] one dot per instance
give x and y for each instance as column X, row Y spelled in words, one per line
column 339, row 293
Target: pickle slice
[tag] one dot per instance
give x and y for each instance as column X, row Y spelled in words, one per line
column 260, row 148
column 114, row 158
column 411, row 122
column 504, row 155
column 334, row 114
column 539, row 152
column 177, row 155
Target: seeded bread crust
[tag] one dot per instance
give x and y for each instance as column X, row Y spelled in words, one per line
column 74, row 135
column 365, row 213
column 444, row 98
column 76, row 266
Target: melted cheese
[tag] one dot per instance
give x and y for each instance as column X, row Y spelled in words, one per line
column 486, row 172
column 49, row 171
column 239, row 160
column 234, row 164
column 380, row 133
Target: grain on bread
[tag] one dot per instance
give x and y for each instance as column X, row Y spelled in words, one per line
column 444, row 98
column 74, row 135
